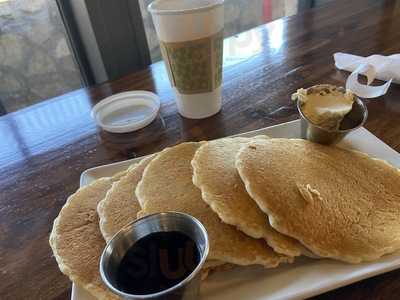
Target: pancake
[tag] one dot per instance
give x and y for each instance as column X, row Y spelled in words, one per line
column 338, row 203
column 76, row 240
column 213, row 266
column 221, row 268
column 167, row 185
column 210, row 263
column 215, row 174
column 120, row 205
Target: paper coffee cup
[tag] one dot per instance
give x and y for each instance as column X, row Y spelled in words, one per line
column 191, row 41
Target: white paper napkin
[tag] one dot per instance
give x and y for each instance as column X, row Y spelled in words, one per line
column 386, row 67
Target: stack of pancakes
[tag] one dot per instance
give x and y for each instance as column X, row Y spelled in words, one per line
column 263, row 202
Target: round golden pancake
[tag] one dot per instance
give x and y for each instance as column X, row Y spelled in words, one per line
column 167, row 185
column 120, row 205
column 76, row 240
column 340, row 204
column 215, row 174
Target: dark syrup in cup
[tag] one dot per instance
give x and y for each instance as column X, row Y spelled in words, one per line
column 157, row 262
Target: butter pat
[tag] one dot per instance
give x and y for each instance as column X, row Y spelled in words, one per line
column 325, row 105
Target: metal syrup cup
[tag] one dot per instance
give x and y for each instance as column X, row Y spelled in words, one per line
column 355, row 119
column 118, row 246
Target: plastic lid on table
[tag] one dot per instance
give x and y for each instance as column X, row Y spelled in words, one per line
column 126, row 112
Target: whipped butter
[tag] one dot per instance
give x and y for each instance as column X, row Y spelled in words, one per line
column 325, row 105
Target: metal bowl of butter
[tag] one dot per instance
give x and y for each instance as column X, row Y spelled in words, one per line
column 328, row 113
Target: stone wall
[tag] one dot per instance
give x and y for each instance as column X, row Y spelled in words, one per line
column 35, row 60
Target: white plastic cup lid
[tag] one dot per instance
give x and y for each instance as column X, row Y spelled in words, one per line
column 126, row 112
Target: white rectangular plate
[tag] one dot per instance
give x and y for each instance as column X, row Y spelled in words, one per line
column 302, row 279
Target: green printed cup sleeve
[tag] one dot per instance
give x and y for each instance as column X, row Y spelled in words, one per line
column 195, row 66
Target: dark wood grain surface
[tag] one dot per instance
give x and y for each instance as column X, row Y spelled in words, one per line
column 45, row 148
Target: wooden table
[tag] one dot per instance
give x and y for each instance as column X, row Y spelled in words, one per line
column 44, row 149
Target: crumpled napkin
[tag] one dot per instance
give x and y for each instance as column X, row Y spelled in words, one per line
column 386, row 67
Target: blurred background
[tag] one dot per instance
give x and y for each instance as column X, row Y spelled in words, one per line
column 48, row 48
